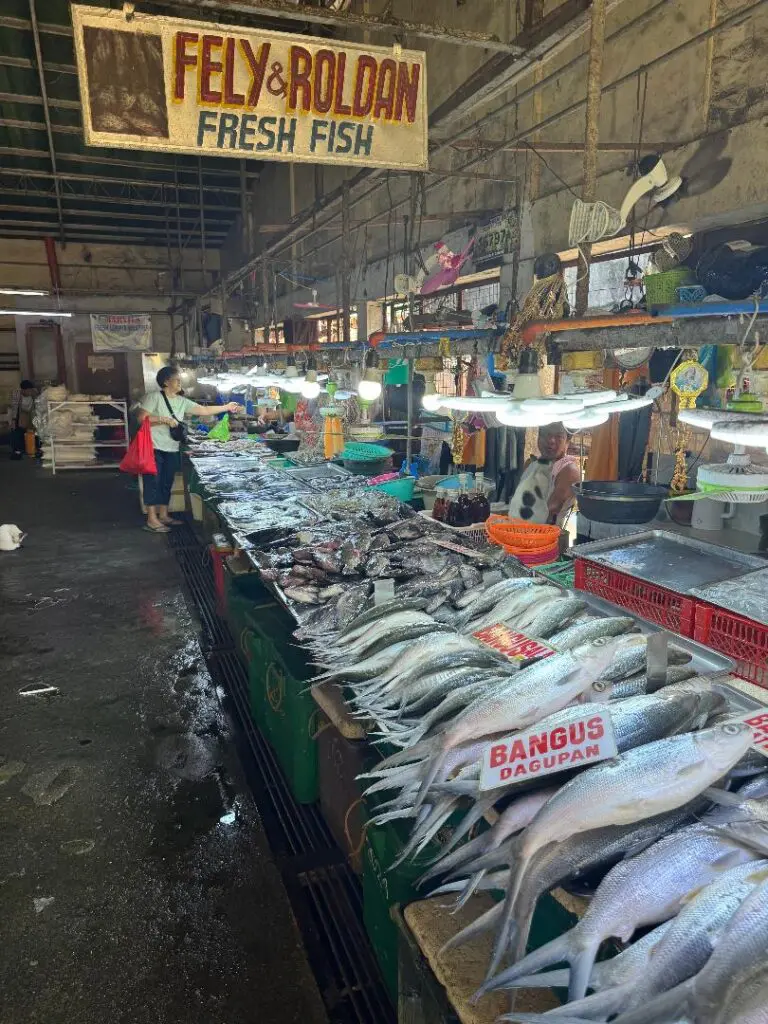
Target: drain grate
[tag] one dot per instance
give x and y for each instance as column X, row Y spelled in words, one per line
column 325, row 893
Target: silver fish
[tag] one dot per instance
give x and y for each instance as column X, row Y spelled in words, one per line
column 638, row 684
column 509, row 608
column 382, row 611
column 570, row 859
column 732, row 987
column 590, row 629
column 476, row 602
column 541, row 620
column 541, row 689
column 641, row 783
column 646, row 889
column 633, row 659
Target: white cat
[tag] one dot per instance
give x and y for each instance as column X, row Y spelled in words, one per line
column 10, row 537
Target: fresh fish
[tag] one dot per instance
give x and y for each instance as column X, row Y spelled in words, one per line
column 336, row 590
column 470, row 576
column 487, row 597
column 576, row 856
column 352, row 603
column 590, row 629
column 381, row 611
column 638, row 684
column 627, row 968
column 511, row 821
column 377, row 566
column 302, row 595
column 646, row 889
column 641, row 783
column 541, row 689
column 544, row 616
column 732, row 987
column 509, row 608
column 367, row 669
column 633, row 659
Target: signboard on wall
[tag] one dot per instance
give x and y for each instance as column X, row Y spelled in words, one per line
column 181, row 86
column 121, row 332
column 495, row 239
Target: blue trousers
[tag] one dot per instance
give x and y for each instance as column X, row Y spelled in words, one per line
column 157, row 488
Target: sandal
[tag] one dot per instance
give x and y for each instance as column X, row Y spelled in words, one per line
column 155, row 529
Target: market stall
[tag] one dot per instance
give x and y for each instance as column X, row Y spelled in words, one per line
column 390, row 654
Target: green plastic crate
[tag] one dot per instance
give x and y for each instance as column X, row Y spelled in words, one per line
column 247, row 599
column 382, row 889
column 281, row 704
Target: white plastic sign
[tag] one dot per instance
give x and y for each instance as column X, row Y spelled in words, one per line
column 758, row 722
column 383, row 591
column 537, row 751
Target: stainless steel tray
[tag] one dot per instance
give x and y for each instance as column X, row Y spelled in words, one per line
column 747, row 595
column 704, row 660
column 669, row 560
column 325, row 471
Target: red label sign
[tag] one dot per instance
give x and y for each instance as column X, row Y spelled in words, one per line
column 758, row 722
column 538, row 751
column 515, row 646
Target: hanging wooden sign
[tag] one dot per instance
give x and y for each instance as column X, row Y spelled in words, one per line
column 181, row 86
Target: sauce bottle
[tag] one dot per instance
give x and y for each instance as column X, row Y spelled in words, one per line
column 480, row 506
column 464, row 506
column 440, row 508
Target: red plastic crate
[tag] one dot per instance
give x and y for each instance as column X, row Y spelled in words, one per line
column 674, row 612
column 744, row 640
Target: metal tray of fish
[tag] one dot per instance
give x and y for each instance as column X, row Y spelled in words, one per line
column 704, row 660
column 669, row 560
column 324, row 471
column 747, row 595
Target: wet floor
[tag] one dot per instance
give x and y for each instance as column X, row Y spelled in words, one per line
column 136, row 884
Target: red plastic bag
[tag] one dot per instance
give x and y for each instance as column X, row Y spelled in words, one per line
column 140, row 457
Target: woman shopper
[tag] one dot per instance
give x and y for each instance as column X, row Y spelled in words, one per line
column 166, row 410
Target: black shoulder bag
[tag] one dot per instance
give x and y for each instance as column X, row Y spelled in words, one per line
column 179, row 432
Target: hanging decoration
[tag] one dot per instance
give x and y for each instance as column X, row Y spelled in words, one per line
column 688, row 381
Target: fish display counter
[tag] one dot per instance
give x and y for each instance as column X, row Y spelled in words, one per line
column 520, row 740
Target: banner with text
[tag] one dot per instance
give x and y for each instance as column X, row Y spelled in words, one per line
column 121, row 332
column 541, row 751
column 183, row 86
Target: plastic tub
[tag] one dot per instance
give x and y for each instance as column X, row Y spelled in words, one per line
column 401, row 488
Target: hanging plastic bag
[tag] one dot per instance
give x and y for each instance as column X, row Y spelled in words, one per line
column 221, row 431
column 140, row 457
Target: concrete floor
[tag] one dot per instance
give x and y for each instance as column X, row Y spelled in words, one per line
column 136, row 885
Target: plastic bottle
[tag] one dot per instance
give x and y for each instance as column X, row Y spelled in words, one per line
column 463, row 515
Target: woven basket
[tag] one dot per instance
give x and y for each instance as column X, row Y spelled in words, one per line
column 520, row 538
column 661, row 289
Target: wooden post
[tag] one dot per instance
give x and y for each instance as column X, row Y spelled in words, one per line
column 591, row 136
column 346, row 275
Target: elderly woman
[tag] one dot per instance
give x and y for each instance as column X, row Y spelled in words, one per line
column 166, row 410
column 545, row 492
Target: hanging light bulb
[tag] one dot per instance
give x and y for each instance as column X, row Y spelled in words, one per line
column 430, row 400
column 310, row 388
column 369, row 388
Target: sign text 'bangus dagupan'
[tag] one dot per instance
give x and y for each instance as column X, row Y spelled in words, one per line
column 192, row 87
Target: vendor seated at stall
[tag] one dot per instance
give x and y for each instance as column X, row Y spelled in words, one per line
column 545, row 491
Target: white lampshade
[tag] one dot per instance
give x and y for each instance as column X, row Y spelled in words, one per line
column 369, row 390
column 626, row 404
column 589, row 398
column 751, row 434
column 310, row 388
column 587, row 419
column 515, row 414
